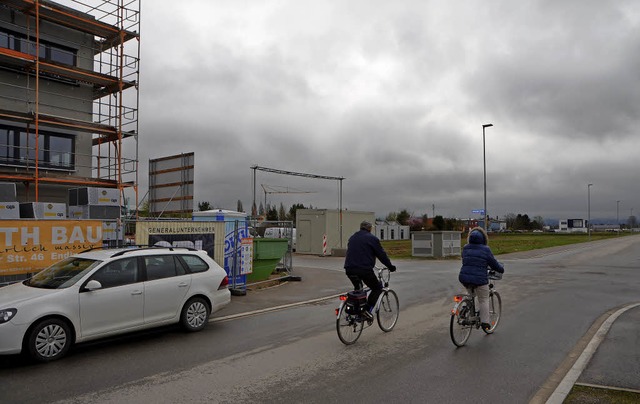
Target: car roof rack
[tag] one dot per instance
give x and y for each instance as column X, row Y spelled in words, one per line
column 100, row 247
column 151, row 247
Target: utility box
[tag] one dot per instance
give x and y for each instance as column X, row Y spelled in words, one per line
column 43, row 210
column 325, row 231
column 436, row 244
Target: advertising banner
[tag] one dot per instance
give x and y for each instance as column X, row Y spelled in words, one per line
column 30, row 246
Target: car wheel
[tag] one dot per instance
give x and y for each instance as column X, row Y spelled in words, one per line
column 49, row 340
column 195, row 314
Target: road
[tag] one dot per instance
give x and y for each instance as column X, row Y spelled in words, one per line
column 551, row 299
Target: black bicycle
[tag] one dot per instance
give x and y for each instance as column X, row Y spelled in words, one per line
column 350, row 318
column 465, row 317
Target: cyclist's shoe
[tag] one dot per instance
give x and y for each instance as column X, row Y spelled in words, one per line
column 367, row 315
column 485, row 326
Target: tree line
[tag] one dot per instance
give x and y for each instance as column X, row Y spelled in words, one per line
column 403, row 217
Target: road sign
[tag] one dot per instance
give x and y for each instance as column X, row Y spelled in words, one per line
column 480, row 211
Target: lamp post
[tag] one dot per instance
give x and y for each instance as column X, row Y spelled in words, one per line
column 618, row 216
column 589, row 210
column 484, row 161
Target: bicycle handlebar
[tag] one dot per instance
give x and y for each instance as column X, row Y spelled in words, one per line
column 494, row 275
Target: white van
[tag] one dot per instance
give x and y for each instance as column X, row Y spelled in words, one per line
column 281, row 232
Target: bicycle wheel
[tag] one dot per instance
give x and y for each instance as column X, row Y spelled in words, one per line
column 495, row 309
column 460, row 326
column 388, row 311
column 349, row 327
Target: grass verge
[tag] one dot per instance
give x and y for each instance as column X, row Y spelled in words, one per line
column 504, row 243
column 595, row 395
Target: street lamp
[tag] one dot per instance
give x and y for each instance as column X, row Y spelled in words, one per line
column 618, row 216
column 484, row 161
column 589, row 210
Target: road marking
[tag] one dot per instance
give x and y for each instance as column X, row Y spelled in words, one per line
column 270, row 309
column 562, row 391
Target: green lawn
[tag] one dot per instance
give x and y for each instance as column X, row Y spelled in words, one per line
column 503, row 243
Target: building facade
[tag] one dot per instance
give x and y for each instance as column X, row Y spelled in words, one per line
column 68, row 97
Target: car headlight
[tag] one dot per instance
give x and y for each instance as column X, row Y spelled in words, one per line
column 7, row 314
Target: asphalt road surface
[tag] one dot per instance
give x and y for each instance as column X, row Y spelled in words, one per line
column 551, row 299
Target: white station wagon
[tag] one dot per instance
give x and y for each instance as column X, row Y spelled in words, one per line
column 100, row 293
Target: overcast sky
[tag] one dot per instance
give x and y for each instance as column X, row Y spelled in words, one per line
column 392, row 96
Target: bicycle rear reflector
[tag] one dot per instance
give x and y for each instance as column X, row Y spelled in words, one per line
column 458, row 298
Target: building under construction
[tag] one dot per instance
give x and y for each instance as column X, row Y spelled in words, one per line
column 69, row 73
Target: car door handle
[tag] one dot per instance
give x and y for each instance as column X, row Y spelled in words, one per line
column 182, row 285
column 136, row 292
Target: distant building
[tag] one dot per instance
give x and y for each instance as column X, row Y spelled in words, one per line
column 494, row 224
column 392, row 231
column 606, row 227
column 572, row 226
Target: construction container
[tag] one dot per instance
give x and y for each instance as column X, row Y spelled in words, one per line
column 8, row 192
column 111, row 231
column 43, row 210
column 9, row 210
column 94, row 196
column 99, row 212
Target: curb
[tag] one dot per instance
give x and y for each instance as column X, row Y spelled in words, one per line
column 270, row 309
column 564, row 388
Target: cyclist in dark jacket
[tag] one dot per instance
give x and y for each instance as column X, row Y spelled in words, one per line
column 362, row 250
column 477, row 258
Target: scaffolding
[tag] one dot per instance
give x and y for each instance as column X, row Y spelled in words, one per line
column 94, row 97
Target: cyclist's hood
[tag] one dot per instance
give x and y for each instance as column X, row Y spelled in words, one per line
column 477, row 235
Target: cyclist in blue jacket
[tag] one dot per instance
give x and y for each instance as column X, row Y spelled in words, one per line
column 362, row 250
column 476, row 259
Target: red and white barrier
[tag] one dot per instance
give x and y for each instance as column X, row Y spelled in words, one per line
column 324, row 244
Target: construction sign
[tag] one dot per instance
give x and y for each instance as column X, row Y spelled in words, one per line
column 30, row 246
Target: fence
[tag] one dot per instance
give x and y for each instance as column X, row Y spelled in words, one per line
column 271, row 258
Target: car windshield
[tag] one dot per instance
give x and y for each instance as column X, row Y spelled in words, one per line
column 62, row 274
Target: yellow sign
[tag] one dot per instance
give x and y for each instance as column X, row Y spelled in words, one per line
column 30, row 246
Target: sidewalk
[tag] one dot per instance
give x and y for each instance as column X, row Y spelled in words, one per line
column 316, row 283
column 612, row 373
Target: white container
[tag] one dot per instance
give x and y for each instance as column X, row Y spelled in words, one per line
column 43, row 210
column 94, row 196
column 8, row 192
column 111, row 231
column 94, row 212
column 9, row 210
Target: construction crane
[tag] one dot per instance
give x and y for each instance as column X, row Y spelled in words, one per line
column 276, row 189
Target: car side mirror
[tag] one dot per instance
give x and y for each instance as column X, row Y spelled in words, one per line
column 93, row 285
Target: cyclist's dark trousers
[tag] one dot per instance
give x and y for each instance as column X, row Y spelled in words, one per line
column 370, row 279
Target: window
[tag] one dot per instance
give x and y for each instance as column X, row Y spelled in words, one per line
column 117, row 273
column 393, row 234
column 162, row 266
column 17, row 147
column 194, row 263
column 47, row 50
column 381, row 234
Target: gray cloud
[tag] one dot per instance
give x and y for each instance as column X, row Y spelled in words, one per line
column 392, row 97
